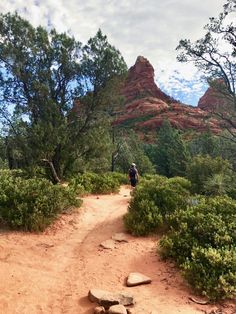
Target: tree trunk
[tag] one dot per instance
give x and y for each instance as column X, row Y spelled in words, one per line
column 54, row 173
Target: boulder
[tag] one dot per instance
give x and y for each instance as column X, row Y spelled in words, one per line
column 135, row 279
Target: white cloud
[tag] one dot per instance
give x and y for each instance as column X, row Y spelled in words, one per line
column 151, row 28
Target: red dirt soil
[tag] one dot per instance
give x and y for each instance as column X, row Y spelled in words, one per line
column 52, row 272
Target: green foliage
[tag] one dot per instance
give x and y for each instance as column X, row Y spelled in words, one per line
column 202, row 173
column 218, row 184
column 57, row 88
column 171, row 154
column 205, row 144
column 212, row 272
column 153, row 200
column 144, row 219
column 101, row 62
column 202, row 241
column 32, row 204
column 131, row 149
column 122, row 178
column 95, row 183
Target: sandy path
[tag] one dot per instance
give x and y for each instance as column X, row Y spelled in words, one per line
column 53, row 272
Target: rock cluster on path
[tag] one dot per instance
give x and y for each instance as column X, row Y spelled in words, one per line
column 114, row 303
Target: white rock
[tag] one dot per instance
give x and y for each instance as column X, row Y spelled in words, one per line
column 135, row 279
column 108, row 244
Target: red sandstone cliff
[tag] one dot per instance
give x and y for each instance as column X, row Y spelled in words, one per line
column 214, row 100
column 147, row 106
column 140, row 82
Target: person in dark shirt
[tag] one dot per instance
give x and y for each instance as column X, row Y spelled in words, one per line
column 133, row 175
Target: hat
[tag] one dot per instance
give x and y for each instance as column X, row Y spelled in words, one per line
column 133, row 164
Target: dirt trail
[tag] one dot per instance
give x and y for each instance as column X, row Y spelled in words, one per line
column 52, row 272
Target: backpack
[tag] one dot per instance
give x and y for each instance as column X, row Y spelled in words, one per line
column 132, row 173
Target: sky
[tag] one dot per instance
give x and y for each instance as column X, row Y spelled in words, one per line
column 149, row 28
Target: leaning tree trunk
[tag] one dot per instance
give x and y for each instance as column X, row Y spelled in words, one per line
column 53, row 170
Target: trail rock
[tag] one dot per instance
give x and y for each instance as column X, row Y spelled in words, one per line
column 99, row 310
column 108, row 244
column 135, row 279
column 120, row 237
column 107, row 299
column 117, row 309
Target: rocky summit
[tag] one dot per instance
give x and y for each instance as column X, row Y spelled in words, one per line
column 214, row 99
column 146, row 106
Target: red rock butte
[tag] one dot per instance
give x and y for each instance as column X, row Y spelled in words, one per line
column 146, row 106
column 140, row 82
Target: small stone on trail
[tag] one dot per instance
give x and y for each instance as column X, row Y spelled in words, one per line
column 117, row 309
column 120, row 237
column 99, row 310
column 135, row 279
column 108, row 244
column 107, row 299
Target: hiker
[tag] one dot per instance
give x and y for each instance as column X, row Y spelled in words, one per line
column 133, row 175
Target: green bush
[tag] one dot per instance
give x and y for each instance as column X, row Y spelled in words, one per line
column 153, row 199
column 32, row 204
column 122, row 178
column 202, row 169
column 212, row 272
column 145, row 219
column 95, row 183
column 202, row 241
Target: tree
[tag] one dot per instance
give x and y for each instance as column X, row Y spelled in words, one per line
column 171, row 154
column 104, row 71
column 205, row 144
column 42, row 75
column 214, row 55
column 132, row 150
column 39, row 71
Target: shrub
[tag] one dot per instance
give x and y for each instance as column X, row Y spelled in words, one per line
column 32, row 204
column 202, row 168
column 122, row 178
column 95, row 183
column 202, row 241
column 145, row 212
column 153, row 199
column 212, row 272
